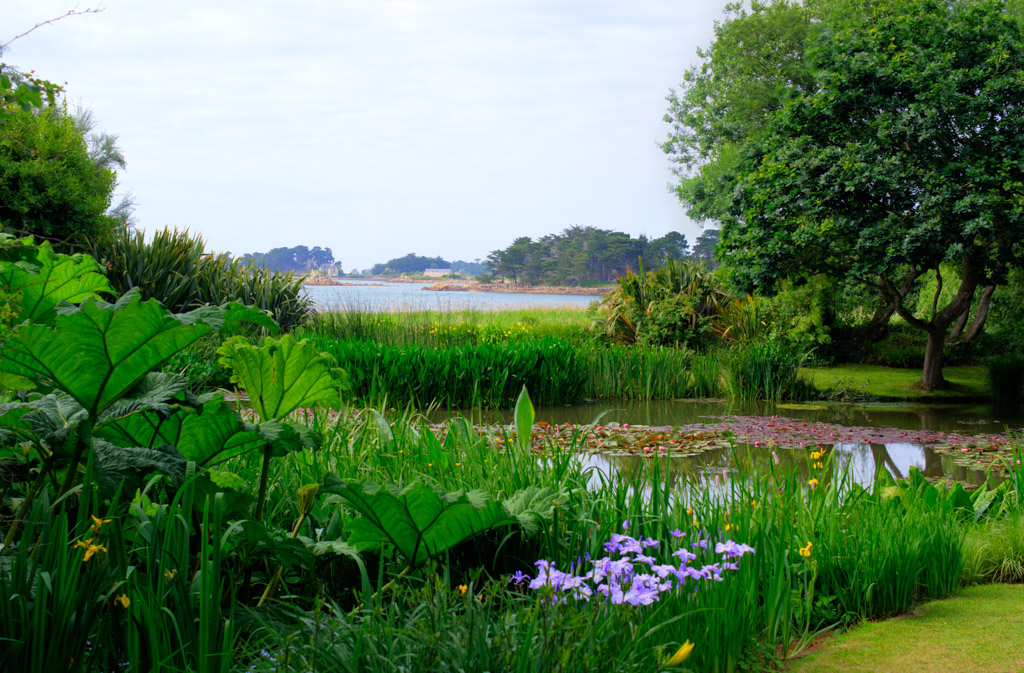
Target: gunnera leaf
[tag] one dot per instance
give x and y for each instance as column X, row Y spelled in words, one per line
column 282, row 375
column 98, row 352
column 417, row 520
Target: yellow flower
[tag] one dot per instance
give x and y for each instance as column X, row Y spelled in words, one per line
column 806, row 551
column 819, row 465
column 90, row 548
column 462, row 589
column 813, row 483
column 169, row 575
column 681, row 654
column 97, row 523
column 817, row 454
column 123, row 600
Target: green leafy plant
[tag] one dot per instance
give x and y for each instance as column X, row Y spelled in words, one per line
column 280, row 377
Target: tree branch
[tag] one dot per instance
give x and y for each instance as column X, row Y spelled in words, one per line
column 70, row 12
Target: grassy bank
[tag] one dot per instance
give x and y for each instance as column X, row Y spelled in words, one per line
column 979, row 629
column 966, row 383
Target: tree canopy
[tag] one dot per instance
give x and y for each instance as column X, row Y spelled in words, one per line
column 581, row 255
column 894, row 144
column 298, row 259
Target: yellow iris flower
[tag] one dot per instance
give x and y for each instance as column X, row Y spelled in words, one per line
column 681, row 654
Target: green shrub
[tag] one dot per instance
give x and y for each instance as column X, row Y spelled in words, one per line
column 175, row 268
column 678, row 304
column 1006, row 376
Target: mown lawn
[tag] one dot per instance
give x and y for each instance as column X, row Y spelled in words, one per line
column 890, row 384
column 980, row 630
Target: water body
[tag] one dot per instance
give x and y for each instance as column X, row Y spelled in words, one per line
column 380, row 296
column 895, row 455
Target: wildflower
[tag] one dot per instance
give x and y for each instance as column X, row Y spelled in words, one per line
column 813, row 483
column 169, row 575
column 462, row 589
column 518, row 578
column 676, row 533
column 818, row 465
column 123, row 600
column 806, row 551
column 97, row 523
column 681, row 654
column 90, row 548
column 733, row 550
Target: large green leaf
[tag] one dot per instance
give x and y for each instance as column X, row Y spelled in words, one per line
column 127, row 468
column 211, row 434
column 419, row 522
column 282, row 375
column 532, row 506
column 50, row 278
column 524, row 416
column 98, row 352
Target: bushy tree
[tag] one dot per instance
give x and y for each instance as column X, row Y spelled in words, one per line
column 898, row 146
column 50, row 186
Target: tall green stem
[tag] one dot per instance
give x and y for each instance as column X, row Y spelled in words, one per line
column 264, row 478
column 84, row 440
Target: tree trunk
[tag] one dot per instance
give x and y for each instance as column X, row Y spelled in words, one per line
column 931, row 377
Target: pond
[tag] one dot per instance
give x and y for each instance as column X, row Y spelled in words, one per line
column 382, row 296
column 697, row 437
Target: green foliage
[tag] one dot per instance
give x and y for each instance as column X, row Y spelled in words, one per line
column 282, row 375
column 1006, row 376
column 38, row 279
column 411, row 263
column 50, row 187
column 175, row 268
column 299, row 259
column 794, row 134
column 488, row 375
column 419, row 522
column 98, row 352
column 804, row 314
column 19, row 93
column 581, row 255
column 679, row 303
column 766, row 370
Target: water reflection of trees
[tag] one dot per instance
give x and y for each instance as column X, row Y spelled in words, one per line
column 860, row 459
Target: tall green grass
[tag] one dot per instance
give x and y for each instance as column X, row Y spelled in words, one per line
column 869, row 556
column 766, row 370
column 450, row 328
column 484, row 375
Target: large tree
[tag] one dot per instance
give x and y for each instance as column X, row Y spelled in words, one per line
column 906, row 151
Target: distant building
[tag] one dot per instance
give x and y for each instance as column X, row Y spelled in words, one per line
column 436, row 273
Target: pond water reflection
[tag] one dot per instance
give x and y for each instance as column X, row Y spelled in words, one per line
column 896, row 437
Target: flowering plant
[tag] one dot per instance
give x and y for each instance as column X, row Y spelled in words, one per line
column 629, row 574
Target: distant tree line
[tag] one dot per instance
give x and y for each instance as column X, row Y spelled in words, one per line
column 415, row 264
column 298, row 259
column 588, row 255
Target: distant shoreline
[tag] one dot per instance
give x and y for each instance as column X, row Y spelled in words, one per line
column 467, row 286
column 450, row 286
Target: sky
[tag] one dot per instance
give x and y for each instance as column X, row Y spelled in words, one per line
column 379, row 127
